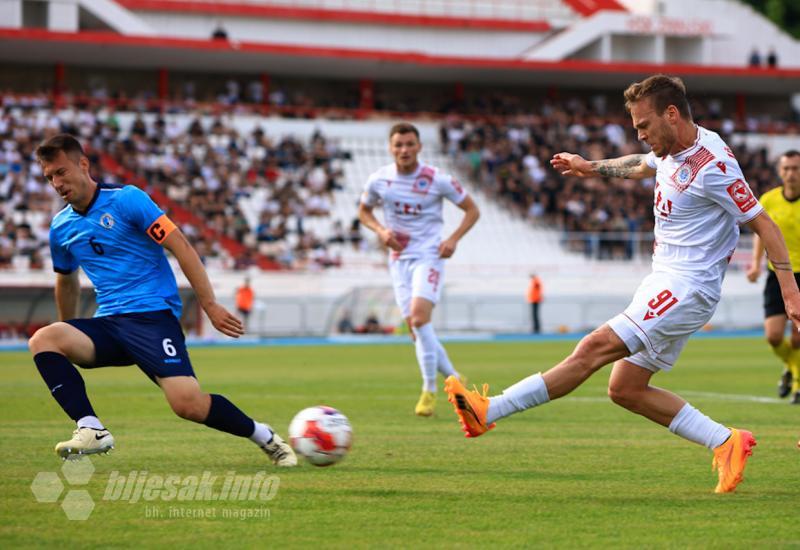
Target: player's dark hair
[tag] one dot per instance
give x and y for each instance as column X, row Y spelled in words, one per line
column 791, row 153
column 403, row 128
column 663, row 91
column 48, row 150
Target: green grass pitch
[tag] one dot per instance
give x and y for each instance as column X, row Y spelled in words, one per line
column 578, row 472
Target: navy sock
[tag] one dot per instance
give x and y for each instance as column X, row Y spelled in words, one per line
column 227, row 417
column 65, row 383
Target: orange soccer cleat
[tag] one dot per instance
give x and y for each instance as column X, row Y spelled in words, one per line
column 470, row 406
column 730, row 459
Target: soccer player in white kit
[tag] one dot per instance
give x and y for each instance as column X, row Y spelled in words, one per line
column 412, row 196
column 700, row 199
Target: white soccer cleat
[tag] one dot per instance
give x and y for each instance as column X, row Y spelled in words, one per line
column 280, row 452
column 86, row 441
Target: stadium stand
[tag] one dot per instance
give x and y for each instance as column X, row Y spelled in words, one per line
column 247, row 198
column 198, row 174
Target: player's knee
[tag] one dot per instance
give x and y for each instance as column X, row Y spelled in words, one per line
column 189, row 408
column 585, row 354
column 43, row 339
column 775, row 339
column 581, row 360
column 419, row 320
column 624, row 396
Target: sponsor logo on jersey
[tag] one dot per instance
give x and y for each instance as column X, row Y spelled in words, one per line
column 741, row 195
column 107, row 221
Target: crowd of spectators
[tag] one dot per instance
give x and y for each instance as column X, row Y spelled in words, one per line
column 342, row 100
column 254, row 190
column 606, row 219
column 225, row 185
column 213, row 173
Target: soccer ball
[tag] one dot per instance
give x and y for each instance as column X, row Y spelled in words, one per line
column 321, row 434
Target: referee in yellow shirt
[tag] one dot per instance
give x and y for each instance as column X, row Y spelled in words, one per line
column 783, row 206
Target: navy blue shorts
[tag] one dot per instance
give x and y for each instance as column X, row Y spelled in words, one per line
column 152, row 340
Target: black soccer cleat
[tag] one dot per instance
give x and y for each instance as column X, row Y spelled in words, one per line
column 785, row 384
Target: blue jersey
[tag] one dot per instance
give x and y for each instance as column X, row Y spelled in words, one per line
column 116, row 242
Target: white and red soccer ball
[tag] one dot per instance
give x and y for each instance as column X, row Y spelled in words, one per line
column 321, row 434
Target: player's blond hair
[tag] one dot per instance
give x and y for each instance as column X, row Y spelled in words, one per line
column 663, row 91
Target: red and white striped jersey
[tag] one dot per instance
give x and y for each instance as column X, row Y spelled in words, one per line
column 412, row 206
column 700, row 199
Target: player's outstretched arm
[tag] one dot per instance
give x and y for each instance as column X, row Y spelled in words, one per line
column 770, row 234
column 223, row 320
column 629, row 166
column 471, row 215
column 386, row 235
column 68, row 291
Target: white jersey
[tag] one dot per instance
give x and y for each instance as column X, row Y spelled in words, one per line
column 412, row 206
column 700, row 199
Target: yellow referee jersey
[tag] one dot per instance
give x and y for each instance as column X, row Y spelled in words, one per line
column 787, row 215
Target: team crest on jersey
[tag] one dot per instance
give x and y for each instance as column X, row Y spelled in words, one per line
column 107, row 221
column 424, row 181
column 688, row 170
column 683, row 174
column 421, row 185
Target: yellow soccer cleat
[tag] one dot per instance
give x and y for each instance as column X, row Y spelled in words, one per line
column 86, row 441
column 470, row 406
column 730, row 459
column 426, row 404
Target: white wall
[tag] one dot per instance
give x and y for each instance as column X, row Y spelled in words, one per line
column 305, row 304
column 429, row 40
column 11, row 14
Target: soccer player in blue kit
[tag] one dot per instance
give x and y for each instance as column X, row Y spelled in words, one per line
column 116, row 234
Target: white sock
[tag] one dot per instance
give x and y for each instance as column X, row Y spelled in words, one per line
column 90, row 422
column 528, row 392
column 693, row 425
column 443, row 361
column 426, row 355
column 261, row 435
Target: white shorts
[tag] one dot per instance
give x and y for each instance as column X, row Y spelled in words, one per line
column 664, row 312
column 416, row 278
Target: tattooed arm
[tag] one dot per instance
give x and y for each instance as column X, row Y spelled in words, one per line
column 630, row 166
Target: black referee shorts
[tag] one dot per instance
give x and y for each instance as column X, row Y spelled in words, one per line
column 773, row 301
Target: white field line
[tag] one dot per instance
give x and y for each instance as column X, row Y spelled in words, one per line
column 705, row 395
column 587, row 399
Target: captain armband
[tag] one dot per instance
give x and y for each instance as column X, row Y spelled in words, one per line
column 161, row 228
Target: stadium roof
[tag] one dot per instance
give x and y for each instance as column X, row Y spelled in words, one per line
column 112, row 50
